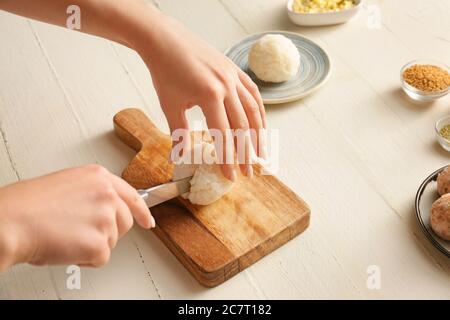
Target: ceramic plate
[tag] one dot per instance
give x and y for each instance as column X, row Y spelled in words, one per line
column 425, row 197
column 313, row 72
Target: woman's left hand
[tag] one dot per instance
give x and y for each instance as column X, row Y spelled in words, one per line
column 187, row 71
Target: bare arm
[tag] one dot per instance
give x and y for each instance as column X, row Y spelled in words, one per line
column 113, row 20
column 197, row 73
column 186, row 71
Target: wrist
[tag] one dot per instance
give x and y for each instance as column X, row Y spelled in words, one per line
column 13, row 247
column 7, row 240
column 7, row 253
column 148, row 33
column 139, row 24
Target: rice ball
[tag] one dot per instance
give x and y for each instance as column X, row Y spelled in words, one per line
column 443, row 181
column 440, row 217
column 208, row 184
column 274, row 58
column 186, row 166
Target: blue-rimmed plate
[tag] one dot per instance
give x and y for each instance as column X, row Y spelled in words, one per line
column 425, row 197
column 313, row 72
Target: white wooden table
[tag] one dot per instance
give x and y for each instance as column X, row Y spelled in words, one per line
column 356, row 150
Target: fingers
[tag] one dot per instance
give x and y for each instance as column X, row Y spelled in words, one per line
column 94, row 252
column 136, row 205
column 112, row 230
column 216, row 118
column 179, row 132
column 239, row 123
column 124, row 218
column 253, row 114
column 254, row 91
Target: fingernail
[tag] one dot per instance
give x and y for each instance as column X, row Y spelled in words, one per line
column 152, row 222
column 249, row 171
column 263, row 144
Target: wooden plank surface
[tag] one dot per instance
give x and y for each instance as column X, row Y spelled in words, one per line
column 357, row 150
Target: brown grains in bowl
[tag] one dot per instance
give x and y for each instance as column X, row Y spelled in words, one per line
column 427, row 77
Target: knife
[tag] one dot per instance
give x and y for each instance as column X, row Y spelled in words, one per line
column 159, row 194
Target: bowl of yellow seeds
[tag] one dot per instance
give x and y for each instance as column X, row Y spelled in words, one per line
column 322, row 12
column 425, row 80
column 442, row 128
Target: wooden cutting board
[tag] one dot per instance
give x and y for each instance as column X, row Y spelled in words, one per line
column 217, row 241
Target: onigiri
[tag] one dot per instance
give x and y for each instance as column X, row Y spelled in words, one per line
column 208, row 184
column 274, row 58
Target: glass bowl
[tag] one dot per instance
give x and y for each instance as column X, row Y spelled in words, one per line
column 417, row 94
column 445, row 143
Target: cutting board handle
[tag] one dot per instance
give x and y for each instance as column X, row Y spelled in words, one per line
column 135, row 129
column 153, row 147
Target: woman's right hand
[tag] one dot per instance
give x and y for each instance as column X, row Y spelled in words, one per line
column 73, row 216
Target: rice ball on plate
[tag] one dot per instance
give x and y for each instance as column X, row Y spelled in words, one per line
column 443, row 181
column 440, row 217
column 274, row 58
column 208, row 184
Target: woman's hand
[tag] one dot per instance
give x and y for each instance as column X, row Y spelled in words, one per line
column 74, row 216
column 186, row 71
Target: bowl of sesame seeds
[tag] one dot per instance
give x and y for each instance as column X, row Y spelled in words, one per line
column 442, row 128
column 425, row 80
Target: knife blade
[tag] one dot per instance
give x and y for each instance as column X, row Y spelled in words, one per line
column 159, row 194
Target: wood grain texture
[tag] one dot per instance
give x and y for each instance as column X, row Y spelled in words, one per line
column 356, row 150
column 217, row 241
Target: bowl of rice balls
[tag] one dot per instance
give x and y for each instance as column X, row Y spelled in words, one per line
column 433, row 209
column 322, row 12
